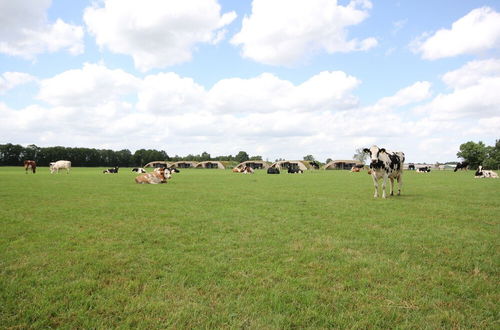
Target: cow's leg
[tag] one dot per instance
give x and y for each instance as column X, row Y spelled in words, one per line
column 392, row 186
column 400, row 184
column 375, row 183
column 384, row 182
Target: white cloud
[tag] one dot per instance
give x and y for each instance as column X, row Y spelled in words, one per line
column 476, row 32
column 103, row 108
column 9, row 80
column 92, row 85
column 156, row 33
column 474, row 93
column 26, row 32
column 267, row 36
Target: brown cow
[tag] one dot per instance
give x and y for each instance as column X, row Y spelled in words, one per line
column 355, row 169
column 160, row 175
column 30, row 164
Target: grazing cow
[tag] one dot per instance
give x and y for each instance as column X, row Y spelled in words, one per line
column 424, row 169
column 411, row 167
column 159, row 175
column 111, row 170
column 30, row 164
column 138, row 170
column 273, row 170
column 295, row 170
column 480, row 173
column 386, row 164
column 60, row 164
column 461, row 166
column 355, row 169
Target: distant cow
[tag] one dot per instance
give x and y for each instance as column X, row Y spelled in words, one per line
column 480, row 173
column 461, row 166
column 111, row 170
column 424, row 169
column 60, row 164
column 138, row 170
column 386, row 164
column 159, row 175
column 273, row 170
column 237, row 170
column 355, row 169
column 411, row 167
column 293, row 170
column 30, row 164
column 173, row 169
column 247, row 170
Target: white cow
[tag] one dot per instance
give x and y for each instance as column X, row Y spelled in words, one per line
column 480, row 173
column 386, row 164
column 60, row 164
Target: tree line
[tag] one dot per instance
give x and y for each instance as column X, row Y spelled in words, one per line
column 480, row 154
column 15, row 154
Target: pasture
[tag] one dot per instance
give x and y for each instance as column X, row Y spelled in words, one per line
column 215, row 249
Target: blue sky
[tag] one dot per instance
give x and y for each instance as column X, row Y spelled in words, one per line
column 280, row 79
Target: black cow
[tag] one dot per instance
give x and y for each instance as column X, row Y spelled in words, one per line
column 138, row 170
column 424, row 169
column 411, row 167
column 461, row 166
column 273, row 170
column 111, row 170
column 173, row 170
column 294, row 170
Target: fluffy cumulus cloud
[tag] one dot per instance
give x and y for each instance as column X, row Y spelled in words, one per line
column 9, row 80
column 268, row 37
column 156, row 33
column 99, row 107
column 92, row 85
column 26, row 32
column 474, row 93
column 476, row 32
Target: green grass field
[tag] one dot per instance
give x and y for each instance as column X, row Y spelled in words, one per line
column 215, row 249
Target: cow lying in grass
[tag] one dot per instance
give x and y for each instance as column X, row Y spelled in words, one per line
column 111, row 170
column 480, row 173
column 159, row 175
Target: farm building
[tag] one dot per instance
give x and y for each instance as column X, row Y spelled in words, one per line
column 184, row 164
column 255, row 164
column 158, row 163
column 293, row 164
column 211, row 164
column 342, row 164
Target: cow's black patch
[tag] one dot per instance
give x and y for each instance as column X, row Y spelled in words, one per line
column 395, row 162
column 377, row 164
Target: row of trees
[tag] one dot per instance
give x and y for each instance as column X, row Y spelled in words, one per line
column 480, row 154
column 15, row 154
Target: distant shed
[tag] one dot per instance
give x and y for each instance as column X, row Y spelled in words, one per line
column 184, row 164
column 255, row 164
column 292, row 164
column 158, row 163
column 211, row 164
column 342, row 164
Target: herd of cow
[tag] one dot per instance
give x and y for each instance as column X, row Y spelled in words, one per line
column 384, row 164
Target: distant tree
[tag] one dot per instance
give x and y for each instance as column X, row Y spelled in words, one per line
column 205, row 156
column 309, row 158
column 360, row 155
column 328, row 160
column 255, row 158
column 492, row 160
column 474, row 153
column 241, row 157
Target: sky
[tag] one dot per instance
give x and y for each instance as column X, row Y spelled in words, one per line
column 274, row 78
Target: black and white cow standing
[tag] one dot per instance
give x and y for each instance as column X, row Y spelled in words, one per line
column 386, row 164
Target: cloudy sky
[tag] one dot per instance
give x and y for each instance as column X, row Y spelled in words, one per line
column 276, row 78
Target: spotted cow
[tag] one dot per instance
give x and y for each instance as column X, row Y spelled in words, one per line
column 386, row 164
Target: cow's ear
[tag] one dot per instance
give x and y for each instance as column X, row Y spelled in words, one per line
column 366, row 150
column 382, row 149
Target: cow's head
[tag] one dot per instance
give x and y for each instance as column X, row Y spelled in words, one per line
column 374, row 153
